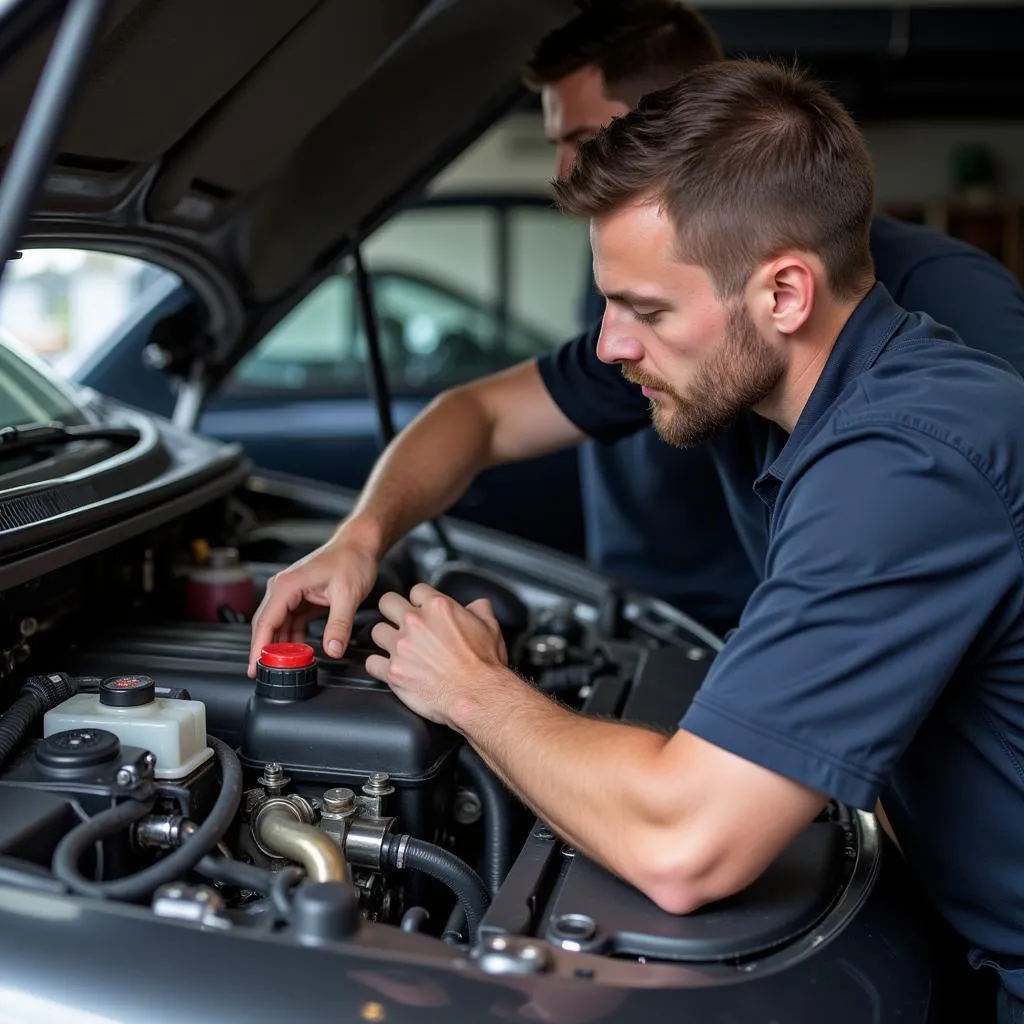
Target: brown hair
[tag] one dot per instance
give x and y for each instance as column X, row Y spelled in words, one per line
column 749, row 159
column 638, row 45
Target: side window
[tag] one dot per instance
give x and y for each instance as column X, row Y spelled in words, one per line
column 549, row 269
column 309, row 349
column 463, row 287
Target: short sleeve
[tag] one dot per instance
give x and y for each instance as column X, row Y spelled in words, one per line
column 594, row 395
column 890, row 555
column 976, row 296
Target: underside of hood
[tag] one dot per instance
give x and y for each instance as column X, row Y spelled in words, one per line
column 255, row 140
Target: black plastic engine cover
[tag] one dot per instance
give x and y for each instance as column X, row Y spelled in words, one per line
column 594, row 911
column 344, row 733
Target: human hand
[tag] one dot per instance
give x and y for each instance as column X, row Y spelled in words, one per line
column 438, row 650
column 336, row 576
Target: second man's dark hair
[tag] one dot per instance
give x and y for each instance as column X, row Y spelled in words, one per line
column 638, row 45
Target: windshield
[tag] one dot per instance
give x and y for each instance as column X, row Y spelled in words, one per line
column 28, row 391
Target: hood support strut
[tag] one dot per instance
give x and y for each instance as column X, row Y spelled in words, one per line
column 37, row 138
column 377, row 379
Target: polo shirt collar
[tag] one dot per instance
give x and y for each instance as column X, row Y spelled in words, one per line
column 864, row 337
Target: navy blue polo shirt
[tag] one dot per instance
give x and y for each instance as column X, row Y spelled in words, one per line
column 882, row 654
column 657, row 517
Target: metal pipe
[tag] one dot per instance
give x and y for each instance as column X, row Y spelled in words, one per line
column 37, row 139
column 281, row 832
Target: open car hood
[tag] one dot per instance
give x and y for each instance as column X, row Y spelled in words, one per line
column 247, row 144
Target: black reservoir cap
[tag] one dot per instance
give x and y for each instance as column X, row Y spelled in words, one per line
column 129, row 691
column 78, row 748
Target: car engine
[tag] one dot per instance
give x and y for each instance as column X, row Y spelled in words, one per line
column 139, row 763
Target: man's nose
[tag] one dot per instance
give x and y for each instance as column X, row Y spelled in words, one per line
column 616, row 343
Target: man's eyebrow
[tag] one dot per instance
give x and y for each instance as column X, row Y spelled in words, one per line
column 637, row 299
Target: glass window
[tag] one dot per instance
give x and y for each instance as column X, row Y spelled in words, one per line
column 31, row 393
column 549, row 269
column 432, row 337
column 62, row 303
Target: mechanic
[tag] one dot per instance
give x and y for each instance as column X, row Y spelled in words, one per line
column 657, row 517
column 883, row 649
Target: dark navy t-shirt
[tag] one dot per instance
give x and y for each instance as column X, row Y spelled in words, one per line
column 657, row 517
column 882, row 653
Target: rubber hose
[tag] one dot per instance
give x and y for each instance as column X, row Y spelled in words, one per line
column 38, row 694
column 281, row 886
column 454, row 926
column 140, row 886
column 16, row 722
column 446, row 868
column 497, row 817
column 414, row 919
column 234, row 872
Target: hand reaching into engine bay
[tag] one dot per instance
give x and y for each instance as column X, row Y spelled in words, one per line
column 336, row 576
column 438, row 650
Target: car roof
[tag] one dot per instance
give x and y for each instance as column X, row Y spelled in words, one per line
column 248, row 143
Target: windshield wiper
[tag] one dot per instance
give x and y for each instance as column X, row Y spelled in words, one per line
column 44, row 435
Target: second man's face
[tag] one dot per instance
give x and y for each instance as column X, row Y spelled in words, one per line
column 575, row 110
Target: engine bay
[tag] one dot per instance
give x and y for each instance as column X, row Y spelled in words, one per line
column 139, row 764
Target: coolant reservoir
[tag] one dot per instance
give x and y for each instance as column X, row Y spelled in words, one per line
column 127, row 706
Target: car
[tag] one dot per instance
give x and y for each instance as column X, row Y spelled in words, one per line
column 298, row 402
column 180, row 842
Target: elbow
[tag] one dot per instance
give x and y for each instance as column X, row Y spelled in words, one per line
column 680, row 880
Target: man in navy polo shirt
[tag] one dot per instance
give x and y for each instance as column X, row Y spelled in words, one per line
column 656, row 516
column 883, row 651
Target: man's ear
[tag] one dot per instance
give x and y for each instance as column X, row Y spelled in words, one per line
column 783, row 296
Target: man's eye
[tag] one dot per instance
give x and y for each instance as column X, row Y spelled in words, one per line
column 646, row 318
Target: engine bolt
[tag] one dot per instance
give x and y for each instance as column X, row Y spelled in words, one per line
column 338, row 801
column 379, row 784
column 126, row 776
column 273, row 779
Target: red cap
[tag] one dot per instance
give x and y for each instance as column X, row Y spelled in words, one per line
column 288, row 656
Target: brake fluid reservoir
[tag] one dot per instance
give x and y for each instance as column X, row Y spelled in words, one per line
column 127, row 706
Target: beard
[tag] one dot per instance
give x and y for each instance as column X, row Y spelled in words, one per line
column 738, row 375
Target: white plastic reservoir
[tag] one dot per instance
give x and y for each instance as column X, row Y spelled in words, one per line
column 127, row 706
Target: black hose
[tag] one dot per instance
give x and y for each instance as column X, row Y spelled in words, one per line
column 37, row 695
column 140, row 886
column 414, row 919
column 235, row 873
column 281, row 886
column 16, row 722
column 437, row 862
column 455, row 926
column 497, row 817
column 107, row 823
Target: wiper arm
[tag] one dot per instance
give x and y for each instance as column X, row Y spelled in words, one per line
column 41, row 435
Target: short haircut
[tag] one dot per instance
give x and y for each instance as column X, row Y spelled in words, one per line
column 638, row 45
column 748, row 159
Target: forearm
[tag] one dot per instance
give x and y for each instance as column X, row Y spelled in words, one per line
column 423, row 472
column 585, row 777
